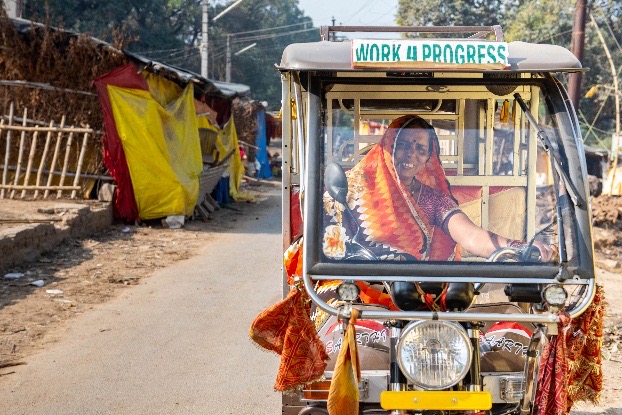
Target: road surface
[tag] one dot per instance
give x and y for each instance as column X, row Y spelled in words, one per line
column 176, row 344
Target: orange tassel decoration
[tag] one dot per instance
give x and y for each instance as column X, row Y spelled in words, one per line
column 343, row 396
column 504, row 115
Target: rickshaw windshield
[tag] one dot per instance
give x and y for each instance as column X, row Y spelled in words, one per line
column 435, row 173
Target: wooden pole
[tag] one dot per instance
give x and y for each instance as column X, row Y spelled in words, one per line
column 20, row 154
column 59, row 139
column 77, row 130
column 576, row 47
column 31, row 156
column 59, row 193
column 8, row 150
column 22, row 187
column 70, row 174
column 1, row 131
column 80, row 162
column 43, row 158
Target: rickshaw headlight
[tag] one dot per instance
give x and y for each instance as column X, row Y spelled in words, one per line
column 555, row 295
column 434, row 354
column 348, row 291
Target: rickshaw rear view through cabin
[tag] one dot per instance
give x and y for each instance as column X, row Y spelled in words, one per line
column 436, row 228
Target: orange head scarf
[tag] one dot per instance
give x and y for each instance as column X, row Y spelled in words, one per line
column 389, row 214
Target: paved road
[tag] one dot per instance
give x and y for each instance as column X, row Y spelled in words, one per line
column 177, row 344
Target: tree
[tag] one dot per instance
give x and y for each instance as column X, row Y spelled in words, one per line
column 541, row 21
column 455, row 12
column 255, row 67
column 598, row 104
column 169, row 31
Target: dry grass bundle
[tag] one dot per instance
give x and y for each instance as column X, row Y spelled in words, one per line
column 63, row 60
column 245, row 117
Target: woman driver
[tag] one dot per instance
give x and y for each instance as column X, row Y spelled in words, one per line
column 403, row 203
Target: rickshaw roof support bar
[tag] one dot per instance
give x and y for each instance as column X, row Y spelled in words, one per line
column 480, row 31
column 572, row 191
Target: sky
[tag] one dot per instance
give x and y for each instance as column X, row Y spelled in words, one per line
column 350, row 12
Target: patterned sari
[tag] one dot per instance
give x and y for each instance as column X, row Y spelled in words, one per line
column 391, row 220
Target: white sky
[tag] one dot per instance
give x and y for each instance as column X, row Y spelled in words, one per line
column 350, row 12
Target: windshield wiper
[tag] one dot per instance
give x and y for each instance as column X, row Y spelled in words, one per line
column 546, row 143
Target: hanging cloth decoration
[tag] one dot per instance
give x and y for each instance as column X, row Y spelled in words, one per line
column 552, row 392
column 343, row 395
column 286, row 329
column 585, row 376
column 504, row 115
column 570, row 367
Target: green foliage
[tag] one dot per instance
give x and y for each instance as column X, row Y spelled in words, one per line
column 543, row 21
column 255, row 67
column 599, row 109
column 454, row 13
column 169, row 31
column 540, row 21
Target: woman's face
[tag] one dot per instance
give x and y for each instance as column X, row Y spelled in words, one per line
column 412, row 151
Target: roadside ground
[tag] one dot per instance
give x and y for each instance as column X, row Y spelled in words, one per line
column 84, row 272
column 36, row 307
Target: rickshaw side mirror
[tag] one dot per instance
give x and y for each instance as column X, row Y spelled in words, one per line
column 336, row 182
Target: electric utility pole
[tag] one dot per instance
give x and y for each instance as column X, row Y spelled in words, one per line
column 228, row 66
column 204, row 45
column 576, row 46
column 204, row 39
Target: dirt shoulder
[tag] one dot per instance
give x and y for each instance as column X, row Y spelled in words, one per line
column 81, row 273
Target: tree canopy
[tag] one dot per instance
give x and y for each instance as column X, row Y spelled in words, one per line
column 169, row 31
column 543, row 21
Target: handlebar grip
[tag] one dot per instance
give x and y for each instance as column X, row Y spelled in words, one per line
column 531, row 254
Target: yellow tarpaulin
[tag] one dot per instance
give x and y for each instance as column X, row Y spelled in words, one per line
column 160, row 138
column 226, row 141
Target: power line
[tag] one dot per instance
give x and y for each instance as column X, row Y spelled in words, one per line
column 270, row 28
column 359, row 10
column 375, row 18
column 274, row 35
column 158, row 50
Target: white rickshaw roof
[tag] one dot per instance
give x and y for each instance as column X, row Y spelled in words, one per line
column 337, row 56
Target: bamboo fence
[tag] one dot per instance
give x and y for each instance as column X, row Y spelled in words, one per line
column 42, row 160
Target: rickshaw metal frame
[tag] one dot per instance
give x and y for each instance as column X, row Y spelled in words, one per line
column 308, row 104
column 478, row 31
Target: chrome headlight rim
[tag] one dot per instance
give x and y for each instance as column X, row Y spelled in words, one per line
column 455, row 326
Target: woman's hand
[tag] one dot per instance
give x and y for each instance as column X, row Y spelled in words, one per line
column 547, row 252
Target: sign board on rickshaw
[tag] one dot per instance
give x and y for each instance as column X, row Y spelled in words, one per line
column 464, row 54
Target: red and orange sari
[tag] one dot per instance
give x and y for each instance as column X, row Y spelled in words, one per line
column 390, row 217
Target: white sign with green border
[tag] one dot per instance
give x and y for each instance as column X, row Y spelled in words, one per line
column 436, row 54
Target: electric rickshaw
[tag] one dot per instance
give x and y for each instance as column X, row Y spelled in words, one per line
column 441, row 325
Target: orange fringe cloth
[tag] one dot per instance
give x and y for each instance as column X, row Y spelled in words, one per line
column 570, row 367
column 286, row 329
column 343, row 395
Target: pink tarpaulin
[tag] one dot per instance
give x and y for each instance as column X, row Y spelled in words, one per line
column 126, row 76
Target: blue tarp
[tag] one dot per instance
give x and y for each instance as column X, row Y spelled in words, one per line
column 264, row 171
